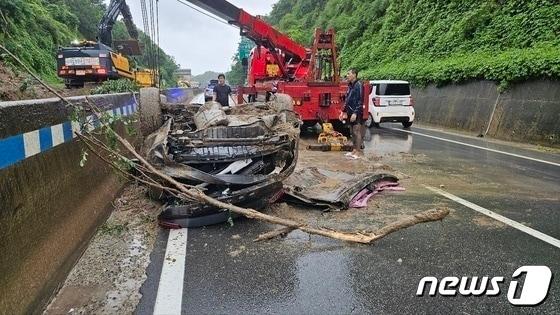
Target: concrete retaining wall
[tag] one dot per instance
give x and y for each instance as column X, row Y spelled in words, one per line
column 50, row 207
column 528, row 112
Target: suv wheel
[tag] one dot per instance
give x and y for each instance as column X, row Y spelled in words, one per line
column 369, row 121
column 407, row 124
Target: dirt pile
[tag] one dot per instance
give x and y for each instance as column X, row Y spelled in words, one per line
column 18, row 86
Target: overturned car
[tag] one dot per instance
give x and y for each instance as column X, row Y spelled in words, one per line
column 238, row 155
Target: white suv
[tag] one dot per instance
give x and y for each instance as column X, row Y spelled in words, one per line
column 390, row 101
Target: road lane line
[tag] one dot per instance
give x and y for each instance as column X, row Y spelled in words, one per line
column 543, row 237
column 170, row 290
column 476, row 146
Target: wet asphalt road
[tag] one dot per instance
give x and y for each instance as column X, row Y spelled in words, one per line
column 226, row 273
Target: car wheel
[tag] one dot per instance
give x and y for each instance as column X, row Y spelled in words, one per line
column 369, row 121
column 407, row 124
column 376, row 125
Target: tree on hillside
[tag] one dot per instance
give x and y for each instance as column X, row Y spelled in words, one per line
column 89, row 13
column 434, row 41
column 205, row 78
column 236, row 76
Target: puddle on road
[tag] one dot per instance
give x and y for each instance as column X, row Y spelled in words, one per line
column 387, row 143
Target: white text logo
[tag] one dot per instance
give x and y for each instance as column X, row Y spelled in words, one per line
column 532, row 292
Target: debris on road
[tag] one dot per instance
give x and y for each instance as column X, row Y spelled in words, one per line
column 360, row 199
column 181, row 185
column 335, row 190
column 240, row 158
column 330, row 140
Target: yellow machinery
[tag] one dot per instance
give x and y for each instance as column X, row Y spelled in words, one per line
column 330, row 140
column 183, row 84
column 145, row 78
column 122, row 65
column 89, row 61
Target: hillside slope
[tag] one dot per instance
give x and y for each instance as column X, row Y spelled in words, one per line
column 429, row 41
column 34, row 29
column 205, row 78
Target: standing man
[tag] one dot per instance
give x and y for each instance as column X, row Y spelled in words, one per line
column 222, row 91
column 353, row 112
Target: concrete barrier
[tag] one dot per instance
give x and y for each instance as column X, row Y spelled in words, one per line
column 180, row 95
column 50, row 207
column 528, row 112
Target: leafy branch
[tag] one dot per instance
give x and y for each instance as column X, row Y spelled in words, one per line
column 144, row 172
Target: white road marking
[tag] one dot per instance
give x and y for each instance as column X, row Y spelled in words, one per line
column 478, row 147
column 543, row 237
column 170, row 290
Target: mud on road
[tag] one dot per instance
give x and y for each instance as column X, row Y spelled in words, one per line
column 109, row 275
column 107, row 278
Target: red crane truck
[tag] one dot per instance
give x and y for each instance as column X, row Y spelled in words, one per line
column 311, row 76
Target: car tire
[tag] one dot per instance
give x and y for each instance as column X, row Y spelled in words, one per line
column 369, row 121
column 376, row 125
column 407, row 124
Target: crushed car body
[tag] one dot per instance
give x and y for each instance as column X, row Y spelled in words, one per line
column 238, row 155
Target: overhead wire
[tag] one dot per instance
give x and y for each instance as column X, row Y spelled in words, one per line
column 203, row 12
column 145, row 22
column 154, row 37
column 159, row 48
column 152, row 44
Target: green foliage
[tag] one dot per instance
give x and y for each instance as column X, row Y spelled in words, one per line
column 88, row 13
column 236, row 76
column 113, row 229
column 431, row 41
column 34, row 29
column 116, row 86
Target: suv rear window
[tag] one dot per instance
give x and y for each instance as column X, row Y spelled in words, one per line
column 392, row 89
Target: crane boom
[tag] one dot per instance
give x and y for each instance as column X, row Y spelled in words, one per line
column 253, row 27
column 278, row 64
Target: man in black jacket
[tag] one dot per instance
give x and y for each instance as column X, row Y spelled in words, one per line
column 353, row 112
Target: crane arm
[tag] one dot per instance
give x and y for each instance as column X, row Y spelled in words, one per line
column 253, row 27
column 108, row 20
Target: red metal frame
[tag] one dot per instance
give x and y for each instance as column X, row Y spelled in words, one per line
column 279, row 64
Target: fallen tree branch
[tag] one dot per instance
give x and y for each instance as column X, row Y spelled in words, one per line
column 426, row 216
column 126, row 175
column 272, row 234
column 197, row 194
